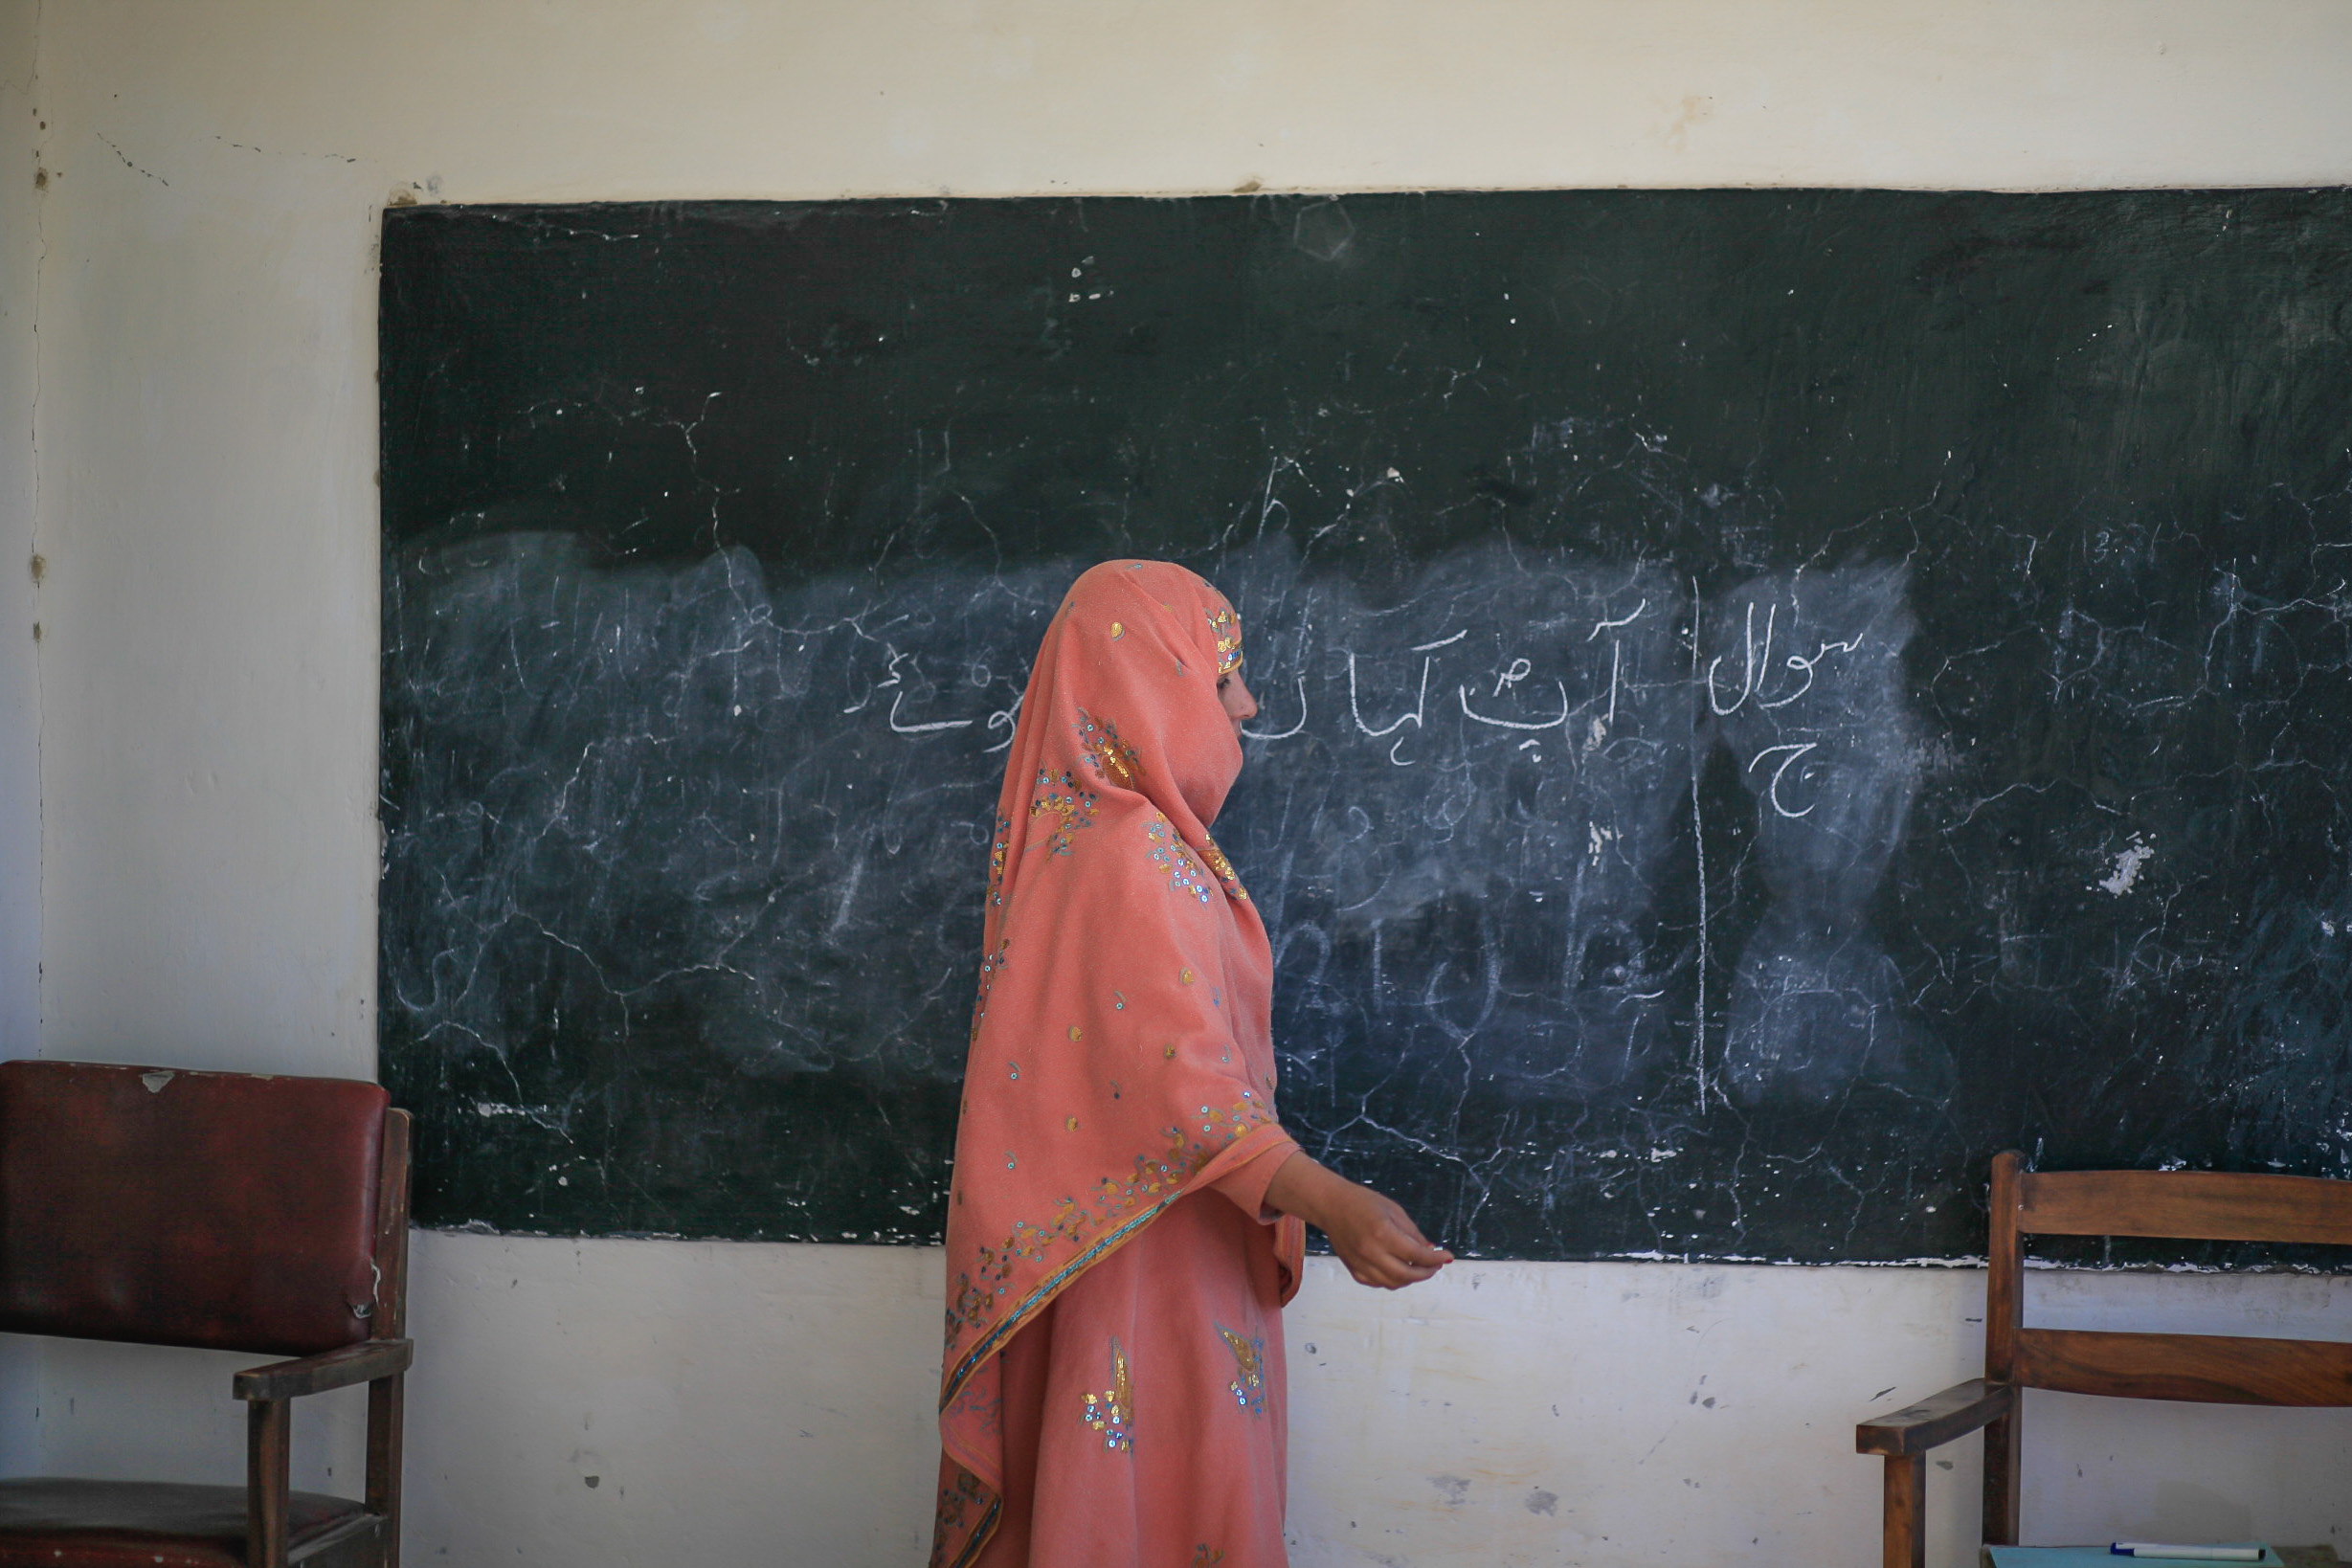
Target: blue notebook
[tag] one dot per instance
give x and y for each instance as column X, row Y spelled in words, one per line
column 2097, row 1557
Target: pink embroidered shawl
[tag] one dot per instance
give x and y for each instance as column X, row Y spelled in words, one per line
column 1109, row 1074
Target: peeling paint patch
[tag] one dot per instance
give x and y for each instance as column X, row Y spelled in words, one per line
column 2126, row 872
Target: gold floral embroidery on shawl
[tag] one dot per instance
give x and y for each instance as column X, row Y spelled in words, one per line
column 1248, row 1385
column 1226, row 627
column 991, row 963
column 1223, row 868
column 1112, row 1412
column 996, row 853
column 1113, row 757
column 1062, row 798
column 1186, row 875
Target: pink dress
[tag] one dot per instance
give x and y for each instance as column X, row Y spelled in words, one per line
column 1112, row 1395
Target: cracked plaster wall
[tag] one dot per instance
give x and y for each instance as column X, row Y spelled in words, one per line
column 208, row 683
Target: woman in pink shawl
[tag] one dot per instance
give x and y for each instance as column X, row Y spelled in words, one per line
column 1125, row 1221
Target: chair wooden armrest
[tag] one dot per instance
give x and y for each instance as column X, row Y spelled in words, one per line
column 269, row 1428
column 1936, row 1421
column 361, row 1363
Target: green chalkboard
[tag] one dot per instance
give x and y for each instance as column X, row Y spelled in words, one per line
column 1770, row 696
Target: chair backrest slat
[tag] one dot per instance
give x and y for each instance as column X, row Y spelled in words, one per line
column 391, row 1227
column 2198, row 1369
column 227, row 1210
column 2203, row 1369
column 2188, row 1205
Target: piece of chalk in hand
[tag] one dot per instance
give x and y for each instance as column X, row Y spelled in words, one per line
column 2187, row 1554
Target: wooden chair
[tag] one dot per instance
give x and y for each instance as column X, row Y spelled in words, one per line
column 268, row 1215
column 2204, row 1369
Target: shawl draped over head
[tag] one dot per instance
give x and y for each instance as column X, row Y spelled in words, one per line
column 1121, row 1056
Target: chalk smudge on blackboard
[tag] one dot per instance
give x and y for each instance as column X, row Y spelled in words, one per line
column 1820, row 722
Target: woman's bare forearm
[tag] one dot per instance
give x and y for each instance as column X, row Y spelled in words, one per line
column 1305, row 1187
column 1372, row 1235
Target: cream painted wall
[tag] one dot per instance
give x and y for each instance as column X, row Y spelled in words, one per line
column 20, row 778
column 20, row 781
column 208, row 684
column 725, row 1397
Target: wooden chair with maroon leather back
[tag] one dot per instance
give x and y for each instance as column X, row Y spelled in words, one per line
column 2203, row 1369
column 222, row 1210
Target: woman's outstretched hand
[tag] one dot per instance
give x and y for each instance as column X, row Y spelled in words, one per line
column 1374, row 1237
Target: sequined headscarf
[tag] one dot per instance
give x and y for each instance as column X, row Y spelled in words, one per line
column 1121, row 1054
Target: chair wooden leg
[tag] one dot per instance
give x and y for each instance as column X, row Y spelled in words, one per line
column 2000, row 1499
column 269, row 1449
column 384, row 1422
column 1906, row 1517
